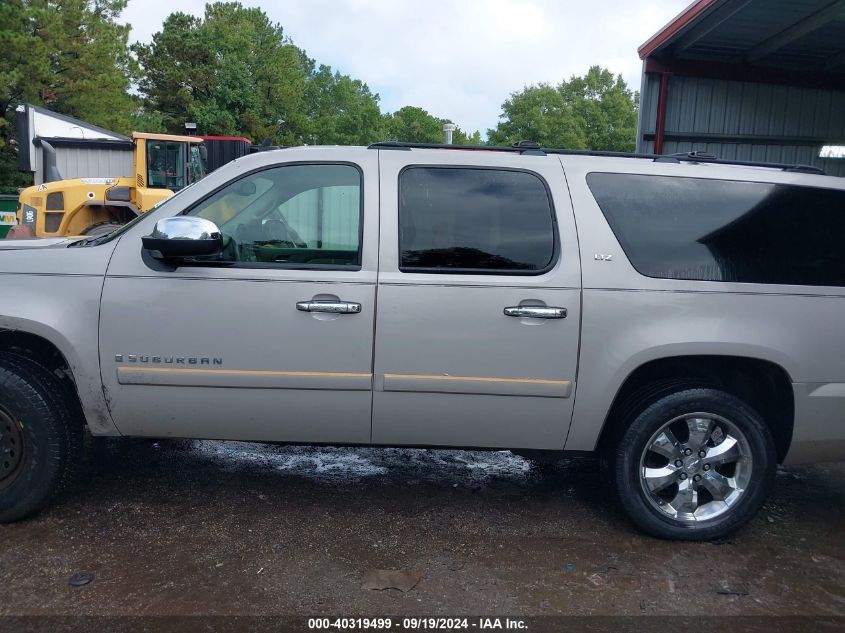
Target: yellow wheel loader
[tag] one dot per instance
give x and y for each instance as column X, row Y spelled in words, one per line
column 163, row 164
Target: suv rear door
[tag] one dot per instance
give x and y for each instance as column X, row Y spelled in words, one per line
column 477, row 251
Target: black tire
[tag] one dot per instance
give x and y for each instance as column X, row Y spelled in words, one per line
column 39, row 414
column 640, row 430
column 102, row 228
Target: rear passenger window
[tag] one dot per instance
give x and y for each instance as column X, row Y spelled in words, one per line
column 474, row 221
column 719, row 230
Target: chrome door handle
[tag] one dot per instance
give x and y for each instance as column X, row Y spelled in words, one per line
column 333, row 307
column 536, row 312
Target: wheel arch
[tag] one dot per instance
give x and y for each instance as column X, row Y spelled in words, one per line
column 49, row 348
column 764, row 384
column 98, row 212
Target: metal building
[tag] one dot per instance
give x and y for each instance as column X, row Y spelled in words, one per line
column 760, row 80
column 82, row 149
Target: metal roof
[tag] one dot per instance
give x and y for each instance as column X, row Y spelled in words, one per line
column 805, row 36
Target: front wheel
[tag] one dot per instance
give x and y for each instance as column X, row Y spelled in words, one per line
column 40, row 437
column 695, row 465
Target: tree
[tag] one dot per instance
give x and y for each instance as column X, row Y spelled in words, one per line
column 233, row 72
column 70, row 56
column 596, row 111
column 414, row 125
column 340, row 110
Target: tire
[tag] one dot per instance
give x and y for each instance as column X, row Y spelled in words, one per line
column 40, row 437
column 702, row 486
column 103, row 228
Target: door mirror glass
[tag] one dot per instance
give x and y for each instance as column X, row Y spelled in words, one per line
column 183, row 236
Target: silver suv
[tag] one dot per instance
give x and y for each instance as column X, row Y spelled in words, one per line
column 682, row 317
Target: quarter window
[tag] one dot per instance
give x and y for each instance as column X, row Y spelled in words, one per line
column 305, row 216
column 719, row 230
column 474, row 221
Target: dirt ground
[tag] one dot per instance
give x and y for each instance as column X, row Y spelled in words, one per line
column 221, row 528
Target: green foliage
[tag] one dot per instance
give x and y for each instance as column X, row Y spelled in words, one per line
column 70, row 56
column 235, row 73
column 232, row 72
column 10, row 178
column 596, row 111
column 414, row 125
column 340, row 110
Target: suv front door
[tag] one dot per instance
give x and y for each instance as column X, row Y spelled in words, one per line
column 244, row 348
column 479, row 301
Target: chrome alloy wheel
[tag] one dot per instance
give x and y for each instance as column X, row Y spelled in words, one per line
column 11, row 449
column 696, row 467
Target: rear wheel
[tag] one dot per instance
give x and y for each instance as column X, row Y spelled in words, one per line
column 40, row 437
column 695, row 464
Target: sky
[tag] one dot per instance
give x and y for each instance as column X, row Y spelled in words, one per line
column 458, row 59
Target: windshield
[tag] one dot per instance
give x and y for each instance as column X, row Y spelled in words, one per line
column 196, row 169
column 166, row 164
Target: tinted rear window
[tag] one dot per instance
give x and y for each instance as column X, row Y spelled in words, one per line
column 475, row 221
column 719, row 230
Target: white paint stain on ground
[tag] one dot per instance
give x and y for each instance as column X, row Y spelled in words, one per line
column 329, row 464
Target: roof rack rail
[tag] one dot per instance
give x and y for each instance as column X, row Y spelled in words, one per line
column 530, row 148
column 696, row 154
column 516, row 148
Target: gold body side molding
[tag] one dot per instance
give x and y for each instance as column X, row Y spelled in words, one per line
column 243, row 378
column 481, row 385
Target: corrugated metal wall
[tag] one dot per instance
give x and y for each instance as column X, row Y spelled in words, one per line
column 745, row 121
column 341, row 211
column 86, row 162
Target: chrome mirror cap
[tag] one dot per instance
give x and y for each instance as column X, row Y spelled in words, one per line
column 183, row 236
column 185, row 227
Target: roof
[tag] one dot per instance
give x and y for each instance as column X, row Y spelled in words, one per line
column 167, row 137
column 242, row 139
column 78, row 124
column 796, row 35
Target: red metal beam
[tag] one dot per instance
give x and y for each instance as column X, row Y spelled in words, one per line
column 692, row 13
column 660, row 124
column 746, row 72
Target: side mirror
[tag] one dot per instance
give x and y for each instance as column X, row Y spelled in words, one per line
column 183, row 236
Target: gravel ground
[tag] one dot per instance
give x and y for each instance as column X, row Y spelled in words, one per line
column 223, row 528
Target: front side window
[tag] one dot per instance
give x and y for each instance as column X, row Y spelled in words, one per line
column 290, row 216
column 474, row 221
column 719, row 230
column 165, row 164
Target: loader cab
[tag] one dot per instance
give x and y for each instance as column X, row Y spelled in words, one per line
column 164, row 161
